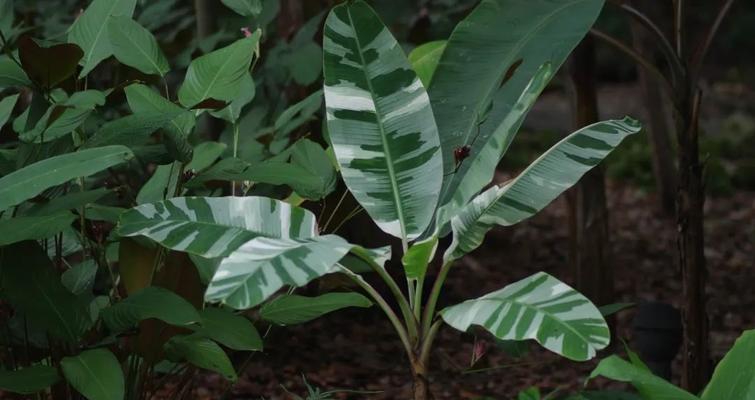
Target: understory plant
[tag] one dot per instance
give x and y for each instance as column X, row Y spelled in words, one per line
column 419, row 162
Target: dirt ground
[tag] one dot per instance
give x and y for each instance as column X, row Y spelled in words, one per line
column 358, row 350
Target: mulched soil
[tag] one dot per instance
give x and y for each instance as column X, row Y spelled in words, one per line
column 358, row 350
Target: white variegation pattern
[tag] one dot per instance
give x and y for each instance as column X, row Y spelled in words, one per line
column 214, row 227
column 262, row 266
column 545, row 179
column 380, row 122
column 541, row 308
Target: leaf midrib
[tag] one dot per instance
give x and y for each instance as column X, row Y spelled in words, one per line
column 383, row 137
column 96, row 40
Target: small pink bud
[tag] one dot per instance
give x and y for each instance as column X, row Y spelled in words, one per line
column 247, row 32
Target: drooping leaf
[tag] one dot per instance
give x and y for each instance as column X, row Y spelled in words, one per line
column 477, row 171
column 202, row 352
column 293, row 309
column 6, row 108
column 380, row 122
column 80, row 277
column 32, row 286
column 29, row 380
column 232, row 111
column 58, row 121
column 142, row 99
column 541, row 308
column 734, row 377
column 150, row 302
column 158, row 185
column 212, row 227
column 218, row 74
column 500, row 41
column 246, row 8
column 418, row 256
column 89, row 31
column 650, row 386
column 547, row 177
column 96, row 374
column 231, row 330
column 135, row 46
column 37, row 61
column 18, row 229
column 425, row 58
column 261, row 266
column 70, row 201
column 31, row 180
column 131, row 130
column 357, row 264
column 613, row 308
column 205, row 155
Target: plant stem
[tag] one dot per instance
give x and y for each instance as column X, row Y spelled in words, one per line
column 402, row 333
column 333, row 213
column 432, row 301
column 427, row 341
column 235, row 152
column 406, row 311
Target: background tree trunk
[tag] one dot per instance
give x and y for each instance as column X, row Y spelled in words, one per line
column 657, row 125
column 206, row 13
column 593, row 272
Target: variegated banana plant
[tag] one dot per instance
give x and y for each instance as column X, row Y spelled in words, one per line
column 417, row 144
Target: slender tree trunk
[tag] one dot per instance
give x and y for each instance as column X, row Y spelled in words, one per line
column 592, row 270
column 657, row 126
column 690, row 241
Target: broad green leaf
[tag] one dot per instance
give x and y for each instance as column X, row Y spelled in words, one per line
column 418, row 256
column 292, row 309
column 135, row 46
column 150, row 302
column 425, row 58
column 6, row 18
column 232, row 111
column 6, row 108
column 29, row 380
column 734, row 377
column 89, row 31
column 201, row 352
column 58, row 121
column 205, row 155
column 131, row 130
column 96, row 374
column 70, row 201
column 650, row 386
column 613, row 308
column 261, row 266
column 380, row 122
column 33, row 228
column 11, row 74
column 231, row 330
column 32, row 286
column 217, row 75
column 545, row 179
column 80, row 277
column 206, row 267
column 246, row 8
column 305, row 63
column 499, row 42
column 31, row 180
column 216, row 226
column 541, row 308
column 478, row 170
column 142, row 100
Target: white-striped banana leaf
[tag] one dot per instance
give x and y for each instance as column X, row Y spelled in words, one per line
column 476, row 172
column 501, row 44
column 545, row 179
column 214, row 227
column 380, row 122
column 539, row 307
column 261, row 266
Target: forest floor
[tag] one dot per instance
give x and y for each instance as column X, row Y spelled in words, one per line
column 358, row 350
